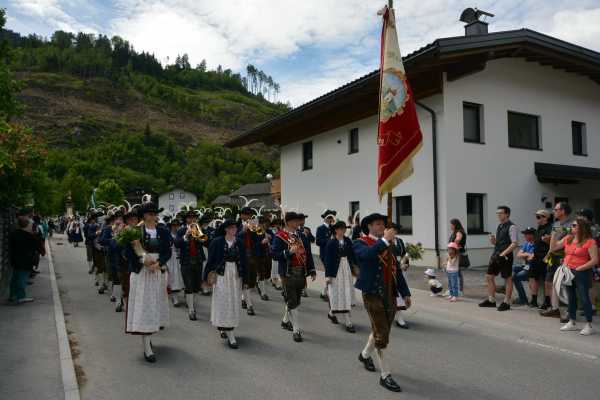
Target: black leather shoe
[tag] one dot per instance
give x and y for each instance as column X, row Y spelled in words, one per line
column 287, row 326
column 390, row 384
column 113, row 299
column 487, row 303
column 402, row 326
column 119, row 308
column 96, row 284
column 333, row 319
column 351, row 329
column 251, row 311
column 101, row 290
column 264, row 297
column 244, row 304
column 367, row 362
column 223, row 335
column 504, row 307
column 150, row 358
column 192, row 316
column 324, row 297
column 297, row 337
column 233, row 345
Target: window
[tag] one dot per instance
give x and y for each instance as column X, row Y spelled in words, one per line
column 182, row 195
column 472, row 116
column 475, row 213
column 172, row 208
column 171, row 196
column 403, row 214
column 353, row 141
column 307, row 156
column 579, row 138
column 354, row 208
column 523, row 131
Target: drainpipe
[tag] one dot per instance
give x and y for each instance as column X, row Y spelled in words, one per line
column 436, row 224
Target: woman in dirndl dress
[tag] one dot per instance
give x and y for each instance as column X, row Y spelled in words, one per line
column 340, row 263
column 226, row 272
column 148, row 304
column 175, row 279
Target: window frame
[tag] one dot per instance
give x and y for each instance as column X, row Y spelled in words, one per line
column 582, row 138
column 305, row 160
column 475, row 231
column 538, row 130
column 479, row 107
column 396, row 214
column 353, row 133
column 172, row 196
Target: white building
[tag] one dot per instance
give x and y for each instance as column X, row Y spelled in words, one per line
column 173, row 200
column 517, row 123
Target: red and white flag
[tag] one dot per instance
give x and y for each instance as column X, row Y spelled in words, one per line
column 399, row 135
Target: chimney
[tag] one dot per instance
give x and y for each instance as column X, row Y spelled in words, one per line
column 474, row 26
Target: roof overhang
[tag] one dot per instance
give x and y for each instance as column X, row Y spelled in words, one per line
column 457, row 57
column 564, row 174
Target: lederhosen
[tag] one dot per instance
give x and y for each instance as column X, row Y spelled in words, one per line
column 381, row 306
column 191, row 266
column 259, row 265
column 295, row 280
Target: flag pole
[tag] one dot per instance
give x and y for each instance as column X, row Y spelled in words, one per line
column 389, row 195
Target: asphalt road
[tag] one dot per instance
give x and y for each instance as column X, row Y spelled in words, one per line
column 453, row 351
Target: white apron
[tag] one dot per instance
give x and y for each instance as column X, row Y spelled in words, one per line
column 341, row 288
column 175, row 279
column 227, row 298
column 148, row 304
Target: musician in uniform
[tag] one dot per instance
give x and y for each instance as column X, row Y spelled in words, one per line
column 246, row 226
column 226, row 270
column 189, row 241
column 106, row 240
column 323, row 235
column 90, row 223
column 209, row 231
column 293, row 254
column 381, row 282
column 340, row 265
column 259, row 260
column 148, row 304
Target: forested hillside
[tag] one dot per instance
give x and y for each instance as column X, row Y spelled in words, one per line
column 102, row 110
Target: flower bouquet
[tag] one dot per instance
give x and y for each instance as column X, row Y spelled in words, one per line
column 414, row 251
column 131, row 235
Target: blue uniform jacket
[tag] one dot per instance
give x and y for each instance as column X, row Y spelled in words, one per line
column 323, row 236
column 258, row 249
column 280, row 253
column 184, row 246
column 370, row 278
column 216, row 258
column 332, row 256
column 89, row 231
column 164, row 250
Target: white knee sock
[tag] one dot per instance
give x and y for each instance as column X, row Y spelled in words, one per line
column 118, row 291
column 189, row 299
column 385, row 371
column 348, row 319
column 230, row 336
column 91, row 265
column 399, row 318
column 286, row 315
column 174, row 298
column 295, row 320
column 369, row 347
column 147, row 346
column 246, row 296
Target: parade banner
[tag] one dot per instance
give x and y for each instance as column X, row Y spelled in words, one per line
column 399, row 135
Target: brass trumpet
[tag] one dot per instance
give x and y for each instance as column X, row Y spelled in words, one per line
column 197, row 234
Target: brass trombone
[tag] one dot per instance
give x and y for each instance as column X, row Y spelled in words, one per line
column 197, row 234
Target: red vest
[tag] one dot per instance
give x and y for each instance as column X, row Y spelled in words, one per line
column 298, row 259
column 386, row 259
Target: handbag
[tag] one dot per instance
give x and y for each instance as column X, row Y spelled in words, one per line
column 463, row 261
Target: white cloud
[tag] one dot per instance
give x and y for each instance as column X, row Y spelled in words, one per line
column 50, row 13
column 578, row 26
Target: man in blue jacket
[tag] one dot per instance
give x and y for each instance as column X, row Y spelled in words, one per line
column 323, row 235
column 381, row 282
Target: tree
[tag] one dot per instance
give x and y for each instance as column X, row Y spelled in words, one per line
column 9, row 87
column 79, row 188
column 110, row 192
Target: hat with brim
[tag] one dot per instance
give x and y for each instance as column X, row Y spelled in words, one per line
column 174, row 222
column 430, row 272
column 291, row 216
column 339, row 225
column 543, row 213
column 246, row 211
column 329, row 213
column 528, row 230
column 369, row 219
column 223, row 227
column 149, row 208
column 205, row 219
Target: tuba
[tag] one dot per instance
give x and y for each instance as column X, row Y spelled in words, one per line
column 197, row 234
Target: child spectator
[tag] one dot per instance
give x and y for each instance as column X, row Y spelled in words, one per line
column 452, row 270
column 521, row 272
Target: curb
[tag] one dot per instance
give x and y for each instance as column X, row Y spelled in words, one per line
column 70, row 386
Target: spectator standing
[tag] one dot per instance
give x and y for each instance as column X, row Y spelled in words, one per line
column 589, row 217
column 521, row 270
column 537, row 266
column 22, row 248
column 459, row 236
column 452, row 270
column 505, row 242
column 560, row 229
column 581, row 255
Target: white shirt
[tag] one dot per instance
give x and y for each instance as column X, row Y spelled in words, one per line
column 152, row 233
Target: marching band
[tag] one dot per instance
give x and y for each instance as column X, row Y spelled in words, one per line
column 149, row 260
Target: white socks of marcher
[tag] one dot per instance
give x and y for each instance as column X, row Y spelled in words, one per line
column 295, row 318
column 348, row 319
column 286, row 315
column 174, row 298
column 246, row 296
column 147, row 346
column 399, row 318
column 370, row 346
column 385, row 371
column 230, row 337
column 91, row 265
column 189, row 299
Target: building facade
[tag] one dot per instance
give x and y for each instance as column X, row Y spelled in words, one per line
column 174, row 200
column 519, row 128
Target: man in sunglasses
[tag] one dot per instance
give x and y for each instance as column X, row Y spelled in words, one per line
column 561, row 228
column 541, row 245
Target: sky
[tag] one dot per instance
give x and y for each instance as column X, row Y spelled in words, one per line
column 310, row 46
